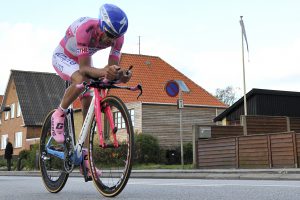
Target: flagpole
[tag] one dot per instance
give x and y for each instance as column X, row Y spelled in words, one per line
column 244, row 73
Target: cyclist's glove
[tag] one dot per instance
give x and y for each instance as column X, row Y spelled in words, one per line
column 124, row 75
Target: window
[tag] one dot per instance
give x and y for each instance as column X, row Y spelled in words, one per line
column 131, row 112
column 12, row 111
column 18, row 139
column 3, row 141
column 19, row 110
column 120, row 122
column 6, row 115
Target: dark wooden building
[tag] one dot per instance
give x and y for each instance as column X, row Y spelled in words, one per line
column 263, row 102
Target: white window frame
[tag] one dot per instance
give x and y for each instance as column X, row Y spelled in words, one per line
column 18, row 110
column 3, row 141
column 131, row 113
column 18, row 139
column 12, row 110
column 6, row 115
column 119, row 121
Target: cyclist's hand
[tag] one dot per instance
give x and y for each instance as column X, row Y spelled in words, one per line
column 125, row 75
column 112, row 72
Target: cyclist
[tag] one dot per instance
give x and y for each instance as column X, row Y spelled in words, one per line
column 72, row 59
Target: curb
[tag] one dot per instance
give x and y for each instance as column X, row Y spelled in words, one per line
column 242, row 174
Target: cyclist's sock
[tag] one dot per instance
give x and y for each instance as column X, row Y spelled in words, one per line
column 63, row 109
column 87, row 166
column 57, row 125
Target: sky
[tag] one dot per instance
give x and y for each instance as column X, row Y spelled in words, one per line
column 200, row 38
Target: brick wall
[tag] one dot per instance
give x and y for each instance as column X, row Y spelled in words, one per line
column 13, row 125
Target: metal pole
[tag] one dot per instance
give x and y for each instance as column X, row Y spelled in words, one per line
column 244, row 73
column 181, row 140
column 139, row 45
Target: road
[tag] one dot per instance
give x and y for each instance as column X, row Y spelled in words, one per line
column 32, row 188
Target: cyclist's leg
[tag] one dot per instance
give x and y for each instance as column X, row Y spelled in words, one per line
column 67, row 69
column 85, row 102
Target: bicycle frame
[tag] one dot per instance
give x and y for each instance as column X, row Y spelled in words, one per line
column 94, row 110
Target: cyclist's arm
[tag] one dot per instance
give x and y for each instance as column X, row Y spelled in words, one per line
column 86, row 69
column 115, row 52
column 114, row 59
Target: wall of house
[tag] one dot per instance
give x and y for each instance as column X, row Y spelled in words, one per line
column 133, row 105
column 137, row 106
column 163, row 122
column 33, row 136
column 12, row 125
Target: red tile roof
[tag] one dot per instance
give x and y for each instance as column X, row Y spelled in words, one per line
column 153, row 73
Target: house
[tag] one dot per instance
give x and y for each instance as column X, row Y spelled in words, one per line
column 1, row 99
column 262, row 102
column 30, row 95
column 155, row 112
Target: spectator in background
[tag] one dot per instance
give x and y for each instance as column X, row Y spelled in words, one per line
column 8, row 153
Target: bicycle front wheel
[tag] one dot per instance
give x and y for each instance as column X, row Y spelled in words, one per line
column 52, row 168
column 111, row 166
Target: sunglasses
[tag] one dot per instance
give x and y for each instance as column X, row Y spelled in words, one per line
column 109, row 35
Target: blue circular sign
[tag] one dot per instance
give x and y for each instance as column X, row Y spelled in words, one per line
column 172, row 88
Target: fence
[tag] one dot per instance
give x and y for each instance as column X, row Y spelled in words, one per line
column 265, row 124
column 255, row 151
column 294, row 123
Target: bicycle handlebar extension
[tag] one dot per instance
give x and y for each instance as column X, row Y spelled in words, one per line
column 107, row 84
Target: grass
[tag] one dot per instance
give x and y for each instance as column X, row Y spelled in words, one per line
column 160, row 166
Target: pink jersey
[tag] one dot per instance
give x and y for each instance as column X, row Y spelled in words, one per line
column 82, row 39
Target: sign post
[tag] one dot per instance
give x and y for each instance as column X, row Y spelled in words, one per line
column 173, row 88
column 180, row 106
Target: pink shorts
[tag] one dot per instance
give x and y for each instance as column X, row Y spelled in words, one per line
column 63, row 65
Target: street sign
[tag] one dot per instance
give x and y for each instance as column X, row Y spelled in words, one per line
column 172, row 88
column 180, row 103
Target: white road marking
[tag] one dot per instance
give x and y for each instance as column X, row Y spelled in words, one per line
column 290, row 185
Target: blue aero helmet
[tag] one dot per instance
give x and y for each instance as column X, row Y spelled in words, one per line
column 112, row 20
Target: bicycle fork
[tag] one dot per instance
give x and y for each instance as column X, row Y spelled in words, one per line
column 108, row 114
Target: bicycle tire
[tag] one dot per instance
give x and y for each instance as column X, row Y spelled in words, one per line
column 115, row 163
column 53, row 179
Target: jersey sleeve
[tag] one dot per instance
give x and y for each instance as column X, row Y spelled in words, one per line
column 115, row 53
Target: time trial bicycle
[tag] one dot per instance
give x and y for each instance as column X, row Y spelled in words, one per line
column 110, row 148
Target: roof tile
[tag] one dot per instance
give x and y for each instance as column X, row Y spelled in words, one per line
column 153, row 73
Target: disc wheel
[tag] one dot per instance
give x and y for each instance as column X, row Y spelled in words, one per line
column 52, row 168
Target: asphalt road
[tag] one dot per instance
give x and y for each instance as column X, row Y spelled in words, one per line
column 32, row 188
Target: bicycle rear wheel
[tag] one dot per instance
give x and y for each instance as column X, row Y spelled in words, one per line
column 52, row 168
column 115, row 162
